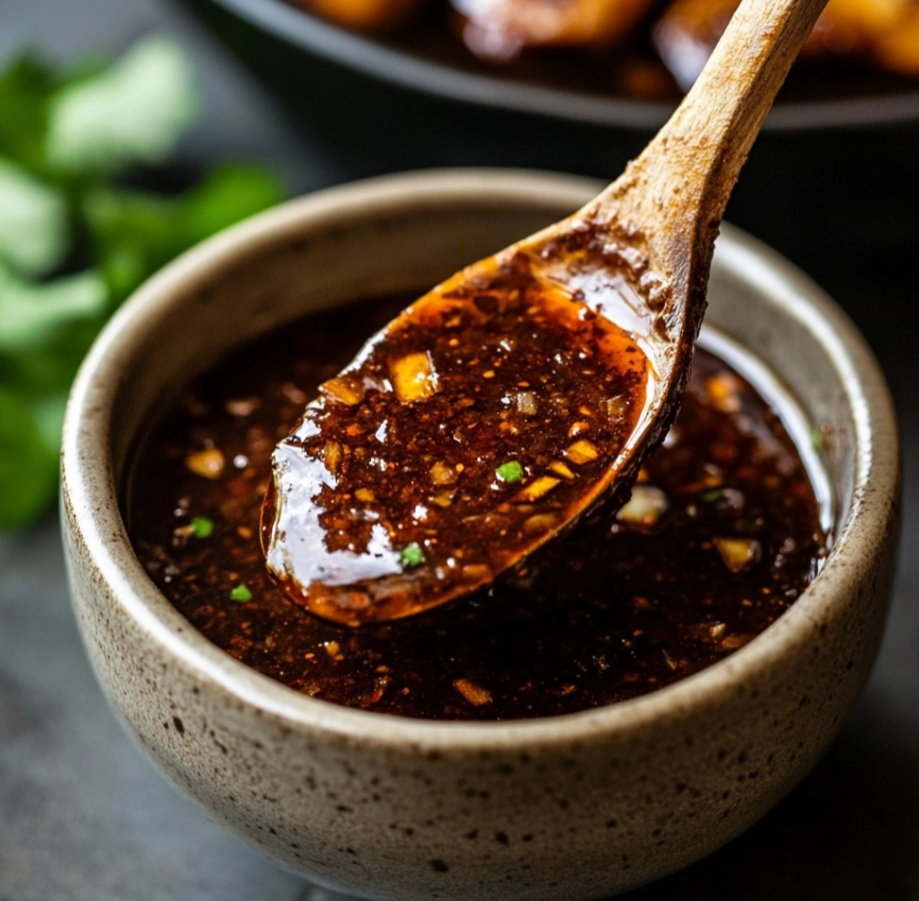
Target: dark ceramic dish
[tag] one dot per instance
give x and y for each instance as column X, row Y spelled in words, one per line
column 263, row 30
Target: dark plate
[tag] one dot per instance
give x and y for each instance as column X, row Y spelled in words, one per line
column 422, row 62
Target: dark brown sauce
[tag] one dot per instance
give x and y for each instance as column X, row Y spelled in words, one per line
column 722, row 535
column 461, row 438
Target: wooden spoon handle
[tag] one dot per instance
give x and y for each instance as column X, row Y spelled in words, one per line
column 704, row 145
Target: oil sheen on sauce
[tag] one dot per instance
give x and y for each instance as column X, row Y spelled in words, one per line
column 462, row 437
column 722, row 534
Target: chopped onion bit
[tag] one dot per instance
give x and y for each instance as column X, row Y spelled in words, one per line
column 208, row 464
column 533, row 491
column 582, row 452
column 344, row 388
column 474, row 694
column 645, row 507
column 739, row 554
column 413, row 377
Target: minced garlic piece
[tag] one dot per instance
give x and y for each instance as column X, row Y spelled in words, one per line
column 474, row 694
column 582, row 452
column 560, row 469
column 739, row 554
column 442, row 474
column 344, row 388
column 413, row 377
column 208, row 463
column 537, row 488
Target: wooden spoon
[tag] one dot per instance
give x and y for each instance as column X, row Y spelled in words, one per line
column 498, row 408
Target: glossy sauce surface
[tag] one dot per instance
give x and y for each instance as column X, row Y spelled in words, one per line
column 460, row 438
column 721, row 535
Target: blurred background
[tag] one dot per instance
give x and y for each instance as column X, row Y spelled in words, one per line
column 294, row 106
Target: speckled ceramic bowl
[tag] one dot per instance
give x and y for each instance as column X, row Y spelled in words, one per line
column 570, row 807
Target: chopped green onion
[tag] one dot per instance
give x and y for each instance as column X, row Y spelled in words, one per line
column 241, row 594
column 411, row 556
column 510, row 472
column 712, row 495
column 201, row 527
column 817, row 439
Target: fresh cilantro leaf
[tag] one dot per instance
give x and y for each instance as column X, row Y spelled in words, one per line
column 29, row 313
column 48, row 415
column 28, row 467
column 34, row 226
column 25, row 87
column 63, row 136
column 133, row 234
column 228, row 194
column 48, row 368
column 132, row 112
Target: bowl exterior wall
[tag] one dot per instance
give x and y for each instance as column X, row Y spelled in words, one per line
column 582, row 806
column 575, row 820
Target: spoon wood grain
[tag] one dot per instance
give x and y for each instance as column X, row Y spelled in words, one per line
column 498, row 408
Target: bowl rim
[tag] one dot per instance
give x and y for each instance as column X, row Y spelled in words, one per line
column 89, row 489
column 364, row 54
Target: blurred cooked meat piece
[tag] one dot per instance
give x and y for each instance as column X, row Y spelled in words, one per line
column 889, row 30
column 686, row 34
column 364, row 15
column 500, row 29
column 881, row 32
column 898, row 48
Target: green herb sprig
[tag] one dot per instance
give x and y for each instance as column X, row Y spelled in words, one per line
column 75, row 241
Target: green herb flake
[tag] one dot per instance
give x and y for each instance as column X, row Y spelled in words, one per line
column 411, row 556
column 202, row 527
column 712, row 495
column 241, row 594
column 510, row 472
column 817, row 440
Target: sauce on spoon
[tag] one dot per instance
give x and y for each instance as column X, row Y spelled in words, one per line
column 492, row 413
column 461, row 437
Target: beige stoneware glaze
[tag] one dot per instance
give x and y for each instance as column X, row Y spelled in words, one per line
column 572, row 807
